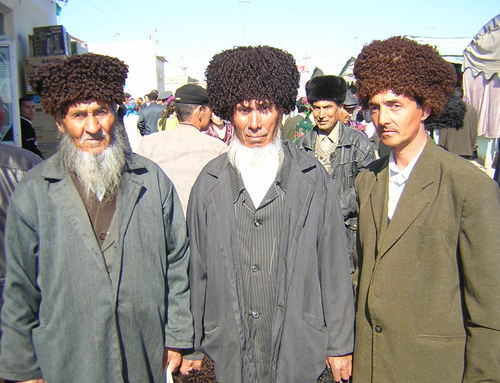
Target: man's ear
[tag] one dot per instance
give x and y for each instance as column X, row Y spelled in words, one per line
column 60, row 127
column 426, row 112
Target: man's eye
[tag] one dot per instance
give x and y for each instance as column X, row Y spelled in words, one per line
column 78, row 115
column 102, row 112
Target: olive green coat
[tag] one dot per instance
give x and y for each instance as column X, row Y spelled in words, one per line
column 428, row 306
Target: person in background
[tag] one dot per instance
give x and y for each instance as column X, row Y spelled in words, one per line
column 28, row 135
column 130, row 119
column 427, row 305
column 184, row 151
column 149, row 115
column 220, row 129
column 14, row 164
column 341, row 150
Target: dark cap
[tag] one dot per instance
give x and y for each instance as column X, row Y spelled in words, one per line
column 191, row 94
column 326, row 88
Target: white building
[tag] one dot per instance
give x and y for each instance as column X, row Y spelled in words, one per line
column 17, row 20
column 146, row 67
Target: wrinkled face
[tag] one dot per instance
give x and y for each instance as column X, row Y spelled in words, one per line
column 326, row 114
column 28, row 109
column 256, row 122
column 399, row 119
column 89, row 125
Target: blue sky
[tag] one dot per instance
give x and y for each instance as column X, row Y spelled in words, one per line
column 323, row 32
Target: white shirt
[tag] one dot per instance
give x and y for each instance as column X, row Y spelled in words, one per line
column 397, row 181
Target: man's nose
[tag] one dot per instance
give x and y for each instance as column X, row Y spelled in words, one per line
column 383, row 116
column 255, row 120
column 92, row 125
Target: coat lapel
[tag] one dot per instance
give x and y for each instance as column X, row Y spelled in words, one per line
column 224, row 212
column 131, row 189
column 419, row 191
column 378, row 198
column 64, row 194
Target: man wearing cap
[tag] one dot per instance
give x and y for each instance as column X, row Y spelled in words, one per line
column 342, row 150
column 271, row 289
column 184, row 151
column 427, row 308
column 97, row 254
column 150, row 114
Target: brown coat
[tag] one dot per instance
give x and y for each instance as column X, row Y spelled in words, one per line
column 428, row 305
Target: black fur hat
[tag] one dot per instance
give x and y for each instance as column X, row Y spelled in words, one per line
column 326, row 88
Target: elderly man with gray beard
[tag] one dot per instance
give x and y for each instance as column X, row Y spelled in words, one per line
column 96, row 246
column 270, row 281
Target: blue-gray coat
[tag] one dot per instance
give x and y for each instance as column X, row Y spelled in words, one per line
column 65, row 319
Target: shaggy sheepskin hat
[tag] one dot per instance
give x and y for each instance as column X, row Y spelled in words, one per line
column 79, row 78
column 326, row 88
column 251, row 73
column 406, row 68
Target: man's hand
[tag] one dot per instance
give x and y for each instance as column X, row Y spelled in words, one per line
column 173, row 357
column 188, row 365
column 341, row 367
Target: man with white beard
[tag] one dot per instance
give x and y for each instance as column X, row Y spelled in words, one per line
column 270, row 283
column 96, row 246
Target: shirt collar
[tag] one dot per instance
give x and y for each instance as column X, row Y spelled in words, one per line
column 401, row 175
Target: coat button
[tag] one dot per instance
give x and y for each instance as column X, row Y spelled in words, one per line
column 378, row 329
column 254, row 314
column 254, row 268
column 257, row 222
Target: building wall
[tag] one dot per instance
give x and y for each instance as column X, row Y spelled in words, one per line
column 21, row 16
column 145, row 70
column 19, row 19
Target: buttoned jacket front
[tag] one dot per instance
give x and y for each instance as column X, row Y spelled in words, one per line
column 428, row 300
column 313, row 316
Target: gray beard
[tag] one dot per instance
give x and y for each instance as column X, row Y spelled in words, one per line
column 257, row 166
column 99, row 174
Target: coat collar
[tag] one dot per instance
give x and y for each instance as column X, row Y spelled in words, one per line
column 309, row 139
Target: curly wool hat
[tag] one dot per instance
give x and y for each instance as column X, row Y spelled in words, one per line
column 407, row 68
column 251, row 73
column 80, row 78
column 326, row 88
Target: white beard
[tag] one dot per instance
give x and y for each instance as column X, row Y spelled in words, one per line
column 257, row 166
column 99, row 174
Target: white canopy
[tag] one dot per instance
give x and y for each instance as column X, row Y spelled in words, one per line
column 483, row 52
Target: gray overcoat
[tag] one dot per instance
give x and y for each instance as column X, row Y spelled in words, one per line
column 314, row 314
column 65, row 319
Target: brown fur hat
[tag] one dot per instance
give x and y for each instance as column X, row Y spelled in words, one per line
column 79, row 78
column 407, row 68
